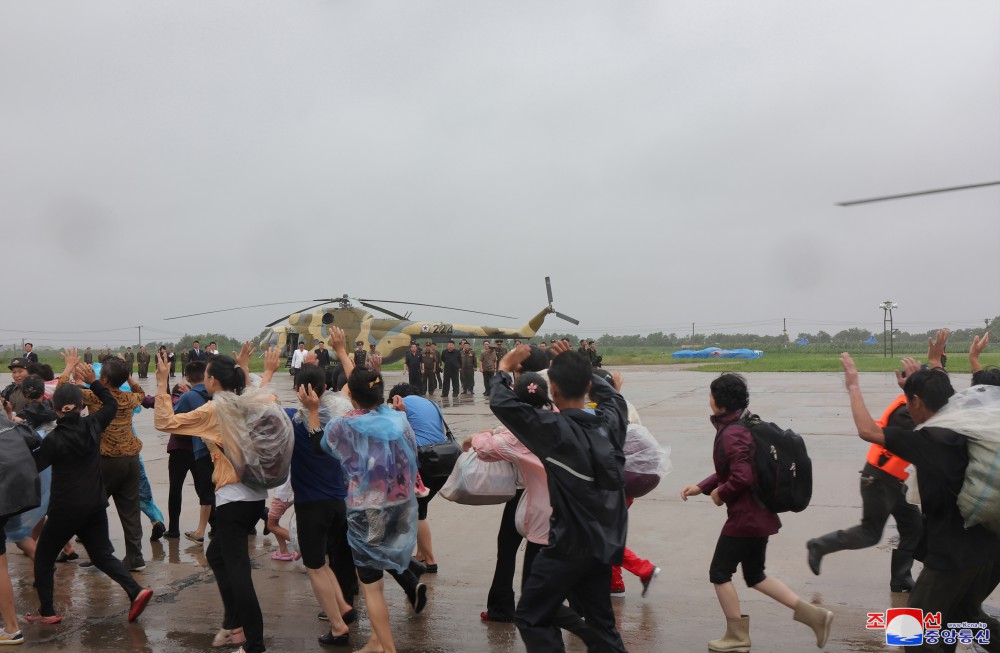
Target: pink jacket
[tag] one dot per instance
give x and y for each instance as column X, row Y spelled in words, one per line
column 534, row 511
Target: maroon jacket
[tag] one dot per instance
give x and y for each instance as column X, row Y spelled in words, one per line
column 733, row 451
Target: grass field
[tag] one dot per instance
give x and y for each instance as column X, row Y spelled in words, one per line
column 791, row 360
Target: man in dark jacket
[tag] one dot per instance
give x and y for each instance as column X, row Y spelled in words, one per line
column 19, row 491
column 451, row 359
column 78, row 503
column 959, row 563
column 582, row 455
column 414, row 367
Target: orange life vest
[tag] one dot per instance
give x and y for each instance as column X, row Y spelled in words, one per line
column 879, row 456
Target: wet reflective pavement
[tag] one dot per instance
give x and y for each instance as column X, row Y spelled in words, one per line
column 679, row 614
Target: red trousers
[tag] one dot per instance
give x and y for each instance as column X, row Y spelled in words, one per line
column 632, row 563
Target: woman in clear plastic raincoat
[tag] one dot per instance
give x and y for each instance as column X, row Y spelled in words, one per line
column 377, row 450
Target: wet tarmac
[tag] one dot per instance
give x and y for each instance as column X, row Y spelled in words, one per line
column 679, row 614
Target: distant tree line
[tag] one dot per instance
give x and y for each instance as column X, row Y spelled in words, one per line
column 847, row 338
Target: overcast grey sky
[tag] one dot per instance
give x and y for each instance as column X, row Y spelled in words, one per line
column 664, row 162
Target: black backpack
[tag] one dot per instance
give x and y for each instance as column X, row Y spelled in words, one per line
column 781, row 465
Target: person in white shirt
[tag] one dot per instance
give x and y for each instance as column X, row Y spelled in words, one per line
column 298, row 357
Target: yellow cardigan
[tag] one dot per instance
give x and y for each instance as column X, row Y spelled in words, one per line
column 200, row 423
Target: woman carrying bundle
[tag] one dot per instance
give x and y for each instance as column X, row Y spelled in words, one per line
column 238, row 506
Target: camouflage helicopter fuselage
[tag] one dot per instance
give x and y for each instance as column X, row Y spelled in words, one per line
column 391, row 337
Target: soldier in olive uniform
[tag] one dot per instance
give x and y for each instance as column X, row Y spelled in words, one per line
column 360, row 355
column 130, row 360
column 143, row 360
column 500, row 352
column 487, row 365
column 468, row 368
column 437, row 367
column 430, row 365
column 88, row 356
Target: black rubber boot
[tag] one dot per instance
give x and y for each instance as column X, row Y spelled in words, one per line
column 902, row 580
column 819, row 547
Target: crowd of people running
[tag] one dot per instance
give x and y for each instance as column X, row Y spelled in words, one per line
column 349, row 459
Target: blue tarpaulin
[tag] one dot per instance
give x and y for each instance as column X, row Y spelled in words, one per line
column 802, row 341
column 871, row 341
column 715, row 352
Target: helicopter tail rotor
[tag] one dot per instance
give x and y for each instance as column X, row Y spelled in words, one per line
column 548, row 289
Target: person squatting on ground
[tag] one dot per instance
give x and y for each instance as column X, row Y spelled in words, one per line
column 749, row 525
column 883, row 493
column 582, row 454
column 377, row 452
column 238, row 507
column 78, row 502
column 959, row 569
column 427, row 421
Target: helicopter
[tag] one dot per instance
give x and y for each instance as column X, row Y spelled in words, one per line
column 391, row 336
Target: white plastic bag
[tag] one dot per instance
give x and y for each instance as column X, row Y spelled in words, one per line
column 646, row 462
column 477, row 483
column 257, row 436
column 975, row 413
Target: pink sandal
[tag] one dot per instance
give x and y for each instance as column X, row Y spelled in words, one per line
column 286, row 557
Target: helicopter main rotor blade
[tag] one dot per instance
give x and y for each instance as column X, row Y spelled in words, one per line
column 922, row 192
column 235, row 308
column 548, row 289
column 282, row 319
column 567, row 318
column 450, row 308
column 383, row 310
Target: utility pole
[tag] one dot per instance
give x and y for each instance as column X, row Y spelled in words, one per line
column 140, row 335
column 784, row 328
column 692, row 332
column 887, row 330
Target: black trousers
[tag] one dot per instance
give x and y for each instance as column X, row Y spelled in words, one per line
column 121, row 481
column 468, row 381
column 179, row 463
column 500, row 601
column 565, row 617
column 92, row 530
column 229, row 558
column 323, row 540
column 881, row 498
column 958, row 595
column 416, row 380
column 552, row 581
column 450, row 381
column 430, row 383
column 487, row 377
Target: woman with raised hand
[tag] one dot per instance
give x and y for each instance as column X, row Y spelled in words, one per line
column 78, row 504
column 237, row 506
column 378, row 452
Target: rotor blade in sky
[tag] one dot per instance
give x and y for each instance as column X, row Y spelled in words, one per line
column 450, row 308
column 922, row 192
column 235, row 308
